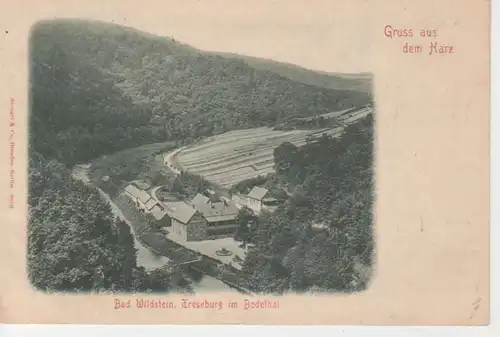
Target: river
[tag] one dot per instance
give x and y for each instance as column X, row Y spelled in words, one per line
column 145, row 258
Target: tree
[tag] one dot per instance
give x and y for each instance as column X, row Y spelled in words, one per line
column 177, row 187
column 247, row 221
column 126, row 240
column 285, row 156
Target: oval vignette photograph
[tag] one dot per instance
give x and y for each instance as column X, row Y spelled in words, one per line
column 155, row 166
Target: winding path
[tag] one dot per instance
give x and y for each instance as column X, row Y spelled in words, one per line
column 171, row 161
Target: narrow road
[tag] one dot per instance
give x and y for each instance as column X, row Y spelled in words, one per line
column 171, row 161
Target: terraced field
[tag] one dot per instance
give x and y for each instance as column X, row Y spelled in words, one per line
column 234, row 156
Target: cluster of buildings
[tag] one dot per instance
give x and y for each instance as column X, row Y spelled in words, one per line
column 205, row 224
column 205, row 217
column 202, row 218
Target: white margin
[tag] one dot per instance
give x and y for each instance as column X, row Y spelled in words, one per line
column 344, row 331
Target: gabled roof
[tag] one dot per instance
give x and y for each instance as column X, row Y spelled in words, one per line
column 136, row 192
column 200, row 199
column 180, row 211
column 257, row 193
column 150, row 204
column 158, row 212
column 217, row 211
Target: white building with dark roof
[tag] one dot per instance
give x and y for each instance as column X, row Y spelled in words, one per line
column 142, row 198
column 259, row 198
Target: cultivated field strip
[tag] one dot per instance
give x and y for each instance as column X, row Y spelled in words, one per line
column 227, row 181
column 244, row 161
column 225, row 152
column 259, row 164
column 355, row 115
column 264, row 140
column 254, row 157
column 228, row 138
column 229, row 158
column 233, row 152
column 236, row 154
column 237, row 172
column 326, row 115
column 250, row 161
column 275, row 139
column 245, row 142
column 265, row 163
column 333, row 132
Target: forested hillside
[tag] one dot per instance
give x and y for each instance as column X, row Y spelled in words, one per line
column 98, row 87
column 322, row 238
column 75, row 244
column 353, row 82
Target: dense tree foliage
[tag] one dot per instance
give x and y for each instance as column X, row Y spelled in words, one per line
column 337, row 81
column 97, row 88
column 187, row 185
column 248, row 221
column 74, row 242
column 322, row 236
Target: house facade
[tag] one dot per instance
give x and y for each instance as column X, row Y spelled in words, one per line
column 255, row 198
column 221, row 216
column 202, row 219
column 186, row 223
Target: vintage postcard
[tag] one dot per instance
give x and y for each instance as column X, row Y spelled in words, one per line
column 245, row 162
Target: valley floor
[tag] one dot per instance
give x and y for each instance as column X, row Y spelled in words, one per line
column 146, row 258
